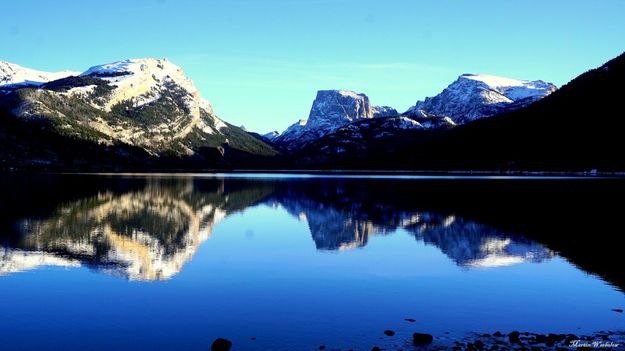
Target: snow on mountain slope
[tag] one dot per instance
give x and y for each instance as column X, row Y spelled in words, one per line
column 292, row 134
column 271, row 136
column 144, row 81
column 474, row 96
column 141, row 79
column 384, row 111
column 514, row 89
column 12, row 74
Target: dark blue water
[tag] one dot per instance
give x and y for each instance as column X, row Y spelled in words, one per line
column 171, row 263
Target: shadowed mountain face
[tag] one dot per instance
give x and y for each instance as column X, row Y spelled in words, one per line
column 148, row 228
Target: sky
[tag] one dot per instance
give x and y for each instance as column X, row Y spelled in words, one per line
column 260, row 62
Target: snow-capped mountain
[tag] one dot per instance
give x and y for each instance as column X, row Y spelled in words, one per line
column 271, row 136
column 384, row 111
column 142, row 81
column 474, row 96
column 290, row 136
column 331, row 110
column 12, row 75
column 144, row 103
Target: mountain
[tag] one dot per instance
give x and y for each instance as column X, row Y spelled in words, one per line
column 289, row 139
column 271, row 136
column 384, row 111
column 576, row 128
column 12, row 75
column 357, row 136
column 134, row 108
column 331, row 110
column 474, row 96
column 469, row 98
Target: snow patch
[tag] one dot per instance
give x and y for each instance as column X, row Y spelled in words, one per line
column 14, row 75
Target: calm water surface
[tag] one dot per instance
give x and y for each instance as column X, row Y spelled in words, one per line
column 173, row 262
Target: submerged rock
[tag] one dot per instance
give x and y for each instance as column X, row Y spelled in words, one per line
column 570, row 338
column 389, row 333
column 421, row 339
column 221, row 345
column 514, row 337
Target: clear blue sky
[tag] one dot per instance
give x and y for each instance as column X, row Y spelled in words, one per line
column 260, row 62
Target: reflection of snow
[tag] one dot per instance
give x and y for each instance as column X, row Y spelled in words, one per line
column 145, row 235
column 12, row 261
column 495, row 260
column 494, row 244
column 472, row 244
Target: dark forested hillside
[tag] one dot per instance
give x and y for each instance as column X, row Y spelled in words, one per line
column 40, row 145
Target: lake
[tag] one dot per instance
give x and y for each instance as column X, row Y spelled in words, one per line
column 172, row 262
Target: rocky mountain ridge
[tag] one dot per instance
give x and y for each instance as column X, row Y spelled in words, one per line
column 474, row 96
column 331, row 110
column 148, row 104
column 469, row 98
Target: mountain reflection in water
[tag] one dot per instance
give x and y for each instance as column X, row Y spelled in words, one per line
column 149, row 229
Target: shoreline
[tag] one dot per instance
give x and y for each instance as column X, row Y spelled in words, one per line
column 497, row 341
column 409, row 174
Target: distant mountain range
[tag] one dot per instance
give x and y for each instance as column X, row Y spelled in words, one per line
column 146, row 114
column 576, row 128
column 469, row 98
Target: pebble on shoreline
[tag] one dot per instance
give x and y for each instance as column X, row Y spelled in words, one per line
column 534, row 342
column 516, row 340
